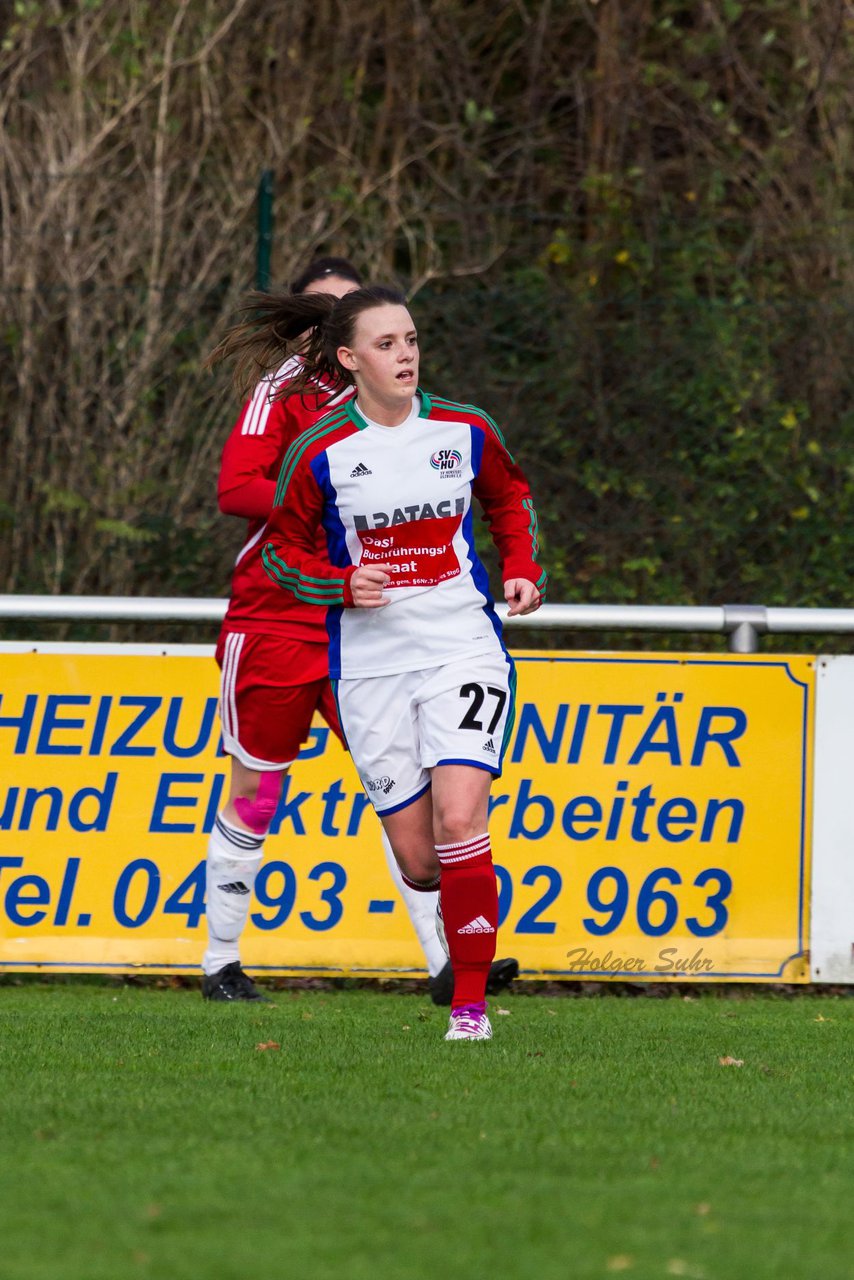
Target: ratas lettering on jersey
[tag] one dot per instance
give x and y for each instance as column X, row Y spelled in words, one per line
column 419, row 511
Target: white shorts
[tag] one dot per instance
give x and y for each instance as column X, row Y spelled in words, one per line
column 399, row 727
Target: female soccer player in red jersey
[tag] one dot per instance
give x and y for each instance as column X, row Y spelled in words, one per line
column 423, row 681
column 273, row 654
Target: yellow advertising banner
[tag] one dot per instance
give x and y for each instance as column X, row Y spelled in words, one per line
column 652, row 822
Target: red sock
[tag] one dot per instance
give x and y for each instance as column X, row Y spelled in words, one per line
column 469, row 897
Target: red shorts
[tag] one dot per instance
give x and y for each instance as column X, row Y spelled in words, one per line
column 271, row 687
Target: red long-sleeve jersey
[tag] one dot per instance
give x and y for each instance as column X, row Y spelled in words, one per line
column 251, row 461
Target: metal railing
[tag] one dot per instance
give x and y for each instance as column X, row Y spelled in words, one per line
column 743, row 624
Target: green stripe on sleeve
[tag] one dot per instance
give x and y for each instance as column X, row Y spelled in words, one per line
column 299, row 446
column 310, row 590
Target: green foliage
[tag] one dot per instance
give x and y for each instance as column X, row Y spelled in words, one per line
column 661, row 389
column 628, row 231
column 121, row 531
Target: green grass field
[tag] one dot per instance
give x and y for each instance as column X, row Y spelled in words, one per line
column 147, row 1134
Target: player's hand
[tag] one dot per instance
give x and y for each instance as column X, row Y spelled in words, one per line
column 367, row 585
column 522, row 597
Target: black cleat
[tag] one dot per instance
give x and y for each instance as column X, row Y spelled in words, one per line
column 442, row 985
column 231, row 983
column 501, row 974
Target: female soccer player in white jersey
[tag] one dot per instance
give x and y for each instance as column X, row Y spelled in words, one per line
column 423, row 681
column 272, row 650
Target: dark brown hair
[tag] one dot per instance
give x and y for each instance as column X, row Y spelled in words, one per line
column 320, row 269
column 313, row 324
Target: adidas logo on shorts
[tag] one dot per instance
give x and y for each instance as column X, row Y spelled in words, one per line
column 478, row 925
column 490, row 747
column 360, row 470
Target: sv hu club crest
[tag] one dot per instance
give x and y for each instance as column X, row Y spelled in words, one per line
column 446, row 461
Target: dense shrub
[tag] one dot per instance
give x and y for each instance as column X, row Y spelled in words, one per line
column 625, row 226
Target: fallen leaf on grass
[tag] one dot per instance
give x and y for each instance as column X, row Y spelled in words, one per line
column 504, row 1012
column 821, row 1018
column 679, row 1267
column 702, row 1209
column 620, row 1262
column 268, row 1044
column 404, row 1027
column 731, row 1062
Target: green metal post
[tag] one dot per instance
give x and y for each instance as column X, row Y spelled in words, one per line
column 265, row 230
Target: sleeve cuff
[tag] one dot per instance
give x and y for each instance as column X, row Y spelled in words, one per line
column 525, row 569
column 348, row 593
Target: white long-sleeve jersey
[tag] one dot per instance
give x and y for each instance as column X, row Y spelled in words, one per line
column 402, row 497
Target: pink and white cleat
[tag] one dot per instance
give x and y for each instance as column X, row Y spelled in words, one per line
column 469, row 1022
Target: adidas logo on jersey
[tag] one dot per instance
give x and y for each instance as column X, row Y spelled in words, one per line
column 478, row 925
column 489, row 746
column 360, row 470
column 236, row 886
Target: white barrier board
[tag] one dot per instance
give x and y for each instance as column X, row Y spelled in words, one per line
column 832, row 942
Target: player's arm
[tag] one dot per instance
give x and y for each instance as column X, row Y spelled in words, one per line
column 247, row 475
column 289, row 550
column 508, row 508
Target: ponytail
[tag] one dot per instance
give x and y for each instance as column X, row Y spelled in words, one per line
column 313, row 325
column 276, row 325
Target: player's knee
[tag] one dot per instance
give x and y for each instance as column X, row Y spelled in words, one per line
column 257, row 812
column 456, row 827
column 420, row 871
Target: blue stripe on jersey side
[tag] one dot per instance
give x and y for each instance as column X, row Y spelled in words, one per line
column 334, row 687
column 333, row 526
column 477, row 443
column 333, row 630
column 336, row 547
column 480, row 577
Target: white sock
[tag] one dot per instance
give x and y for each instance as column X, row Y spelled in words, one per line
column 422, row 913
column 234, row 856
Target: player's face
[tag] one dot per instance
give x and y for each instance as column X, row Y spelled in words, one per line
column 383, row 357
column 337, row 286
